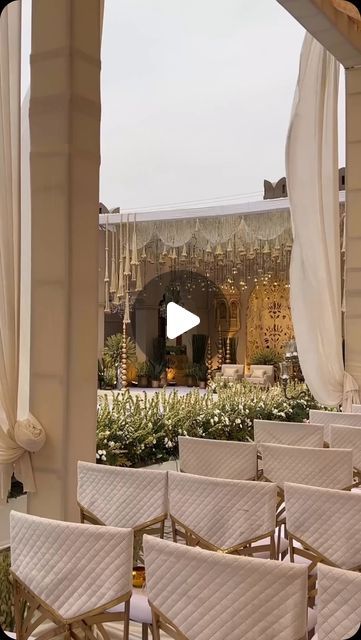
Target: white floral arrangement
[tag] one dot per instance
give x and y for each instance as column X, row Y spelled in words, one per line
column 136, row 430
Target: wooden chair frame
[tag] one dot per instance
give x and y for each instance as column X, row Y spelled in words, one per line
column 27, row 605
column 244, row 548
column 87, row 516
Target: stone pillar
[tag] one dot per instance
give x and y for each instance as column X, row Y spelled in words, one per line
column 65, row 157
column 101, row 293
column 353, row 224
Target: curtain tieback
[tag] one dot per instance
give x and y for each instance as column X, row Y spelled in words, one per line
column 29, row 434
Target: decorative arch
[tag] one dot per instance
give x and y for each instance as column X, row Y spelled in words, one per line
column 269, row 321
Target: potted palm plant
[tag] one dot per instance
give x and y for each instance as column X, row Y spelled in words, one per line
column 156, row 370
column 200, row 372
column 143, row 373
column 190, row 377
column 113, row 352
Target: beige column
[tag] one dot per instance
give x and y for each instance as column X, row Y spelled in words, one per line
column 101, row 293
column 353, row 223
column 65, row 155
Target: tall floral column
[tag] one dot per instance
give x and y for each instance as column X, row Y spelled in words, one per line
column 123, row 366
column 219, row 349
column 209, row 362
column 228, row 350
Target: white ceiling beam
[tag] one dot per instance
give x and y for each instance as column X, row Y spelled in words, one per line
column 244, row 208
column 335, row 30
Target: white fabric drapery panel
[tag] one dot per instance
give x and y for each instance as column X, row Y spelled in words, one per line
column 312, row 179
column 17, row 437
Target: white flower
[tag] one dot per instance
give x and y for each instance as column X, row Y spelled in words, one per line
column 104, row 458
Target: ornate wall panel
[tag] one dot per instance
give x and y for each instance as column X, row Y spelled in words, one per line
column 269, row 322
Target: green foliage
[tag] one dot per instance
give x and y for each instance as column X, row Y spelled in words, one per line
column 176, row 350
column 266, row 356
column 200, row 372
column 143, row 368
column 107, row 376
column 156, row 369
column 199, row 346
column 142, row 429
column 6, row 592
column 113, row 351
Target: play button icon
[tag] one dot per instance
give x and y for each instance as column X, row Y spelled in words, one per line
column 179, row 320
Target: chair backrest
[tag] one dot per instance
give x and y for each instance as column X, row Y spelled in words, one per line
column 331, row 468
column 338, row 603
column 356, row 408
column 232, row 370
column 218, row 458
column 222, row 513
column 268, row 368
column 326, row 520
column 122, row 497
column 326, row 418
column 73, row 568
column 209, row 595
column 296, row 434
column 342, row 437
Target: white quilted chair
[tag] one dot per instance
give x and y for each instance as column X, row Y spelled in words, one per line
column 261, row 374
column 356, row 408
column 323, row 526
column 338, row 603
column 227, row 515
column 69, row 574
column 331, row 468
column 200, row 595
column 327, row 418
column 342, row 437
column 218, row 458
column 231, row 372
column 296, row 434
column 121, row 497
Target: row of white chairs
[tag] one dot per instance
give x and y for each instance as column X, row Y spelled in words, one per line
column 226, row 515
column 79, row 577
column 332, row 467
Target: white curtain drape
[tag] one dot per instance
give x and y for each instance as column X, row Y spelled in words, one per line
column 312, row 179
column 17, row 437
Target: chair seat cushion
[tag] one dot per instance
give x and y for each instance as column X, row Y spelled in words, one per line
column 140, row 610
column 258, row 373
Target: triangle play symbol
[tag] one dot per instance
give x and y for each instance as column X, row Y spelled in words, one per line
column 179, row 320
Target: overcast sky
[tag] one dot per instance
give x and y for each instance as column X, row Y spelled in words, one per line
column 196, row 98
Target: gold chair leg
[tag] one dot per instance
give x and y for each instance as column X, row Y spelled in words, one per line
column 155, row 626
column 174, row 531
column 126, row 620
column 144, row 631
